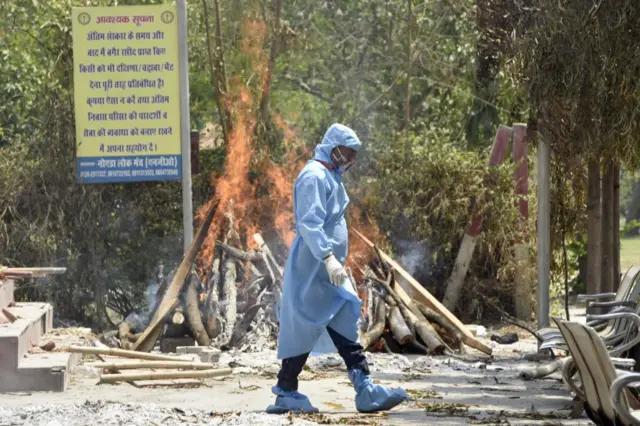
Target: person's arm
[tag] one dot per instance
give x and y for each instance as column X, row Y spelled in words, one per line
column 311, row 213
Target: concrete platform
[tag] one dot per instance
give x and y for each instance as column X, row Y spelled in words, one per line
column 19, row 369
column 6, row 293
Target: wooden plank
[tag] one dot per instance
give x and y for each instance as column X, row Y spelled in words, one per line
column 170, row 300
column 141, row 365
column 31, row 272
column 423, row 296
column 123, row 353
column 153, row 375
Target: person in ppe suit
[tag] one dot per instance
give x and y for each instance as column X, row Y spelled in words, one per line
column 318, row 298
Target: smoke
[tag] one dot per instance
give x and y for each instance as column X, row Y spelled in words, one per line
column 412, row 256
column 138, row 322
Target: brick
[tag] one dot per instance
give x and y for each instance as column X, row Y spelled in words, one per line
column 209, row 355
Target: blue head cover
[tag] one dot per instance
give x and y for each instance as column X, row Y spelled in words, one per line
column 337, row 135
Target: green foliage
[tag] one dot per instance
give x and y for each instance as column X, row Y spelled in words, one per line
column 578, row 63
column 110, row 237
column 431, row 194
column 631, row 228
column 336, row 61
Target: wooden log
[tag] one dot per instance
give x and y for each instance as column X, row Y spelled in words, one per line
column 370, row 307
column 162, row 289
column 9, row 315
column 251, row 255
column 446, row 338
column 423, row 296
column 201, row 374
column 373, row 334
column 425, row 331
column 417, row 347
column 229, row 294
column 541, row 371
column 134, row 337
column 446, row 326
column 192, row 312
column 122, row 353
column 170, row 300
column 398, row 326
column 241, row 327
column 413, row 317
column 254, row 288
column 211, row 303
column 228, row 289
column 262, row 245
column 178, row 317
column 391, row 341
column 124, row 329
column 386, row 347
column 151, row 364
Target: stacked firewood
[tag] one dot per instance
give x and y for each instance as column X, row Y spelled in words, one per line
column 232, row 307
column 394, row 322
column 233, row 304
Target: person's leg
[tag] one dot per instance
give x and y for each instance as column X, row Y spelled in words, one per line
column 289, row 372
column 369, row 396
column 350, row 351
column 286, row 390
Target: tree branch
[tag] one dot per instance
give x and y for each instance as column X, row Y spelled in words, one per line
column 305, row 87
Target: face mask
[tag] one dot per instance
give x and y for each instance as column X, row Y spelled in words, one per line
column 341, row 162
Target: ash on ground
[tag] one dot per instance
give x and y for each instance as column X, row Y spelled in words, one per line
column 101, row 413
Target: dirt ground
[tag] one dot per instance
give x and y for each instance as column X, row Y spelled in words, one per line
column 444, row 391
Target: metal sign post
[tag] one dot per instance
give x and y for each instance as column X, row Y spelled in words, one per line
column 185, row 124
column 544, row 232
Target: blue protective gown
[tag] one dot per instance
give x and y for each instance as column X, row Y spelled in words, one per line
column 310, row 302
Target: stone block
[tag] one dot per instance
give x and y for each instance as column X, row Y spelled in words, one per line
column 209, row 355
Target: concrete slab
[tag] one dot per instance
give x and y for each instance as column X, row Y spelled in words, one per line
column 6, row 293
column 34, row 320
column 46, row 372
column 19, row 369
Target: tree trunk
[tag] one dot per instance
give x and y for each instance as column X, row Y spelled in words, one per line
column 594, row 266
column 217, row 69
column 607, row 227
column 616, row 226
column 271, row 65
column 407, row 94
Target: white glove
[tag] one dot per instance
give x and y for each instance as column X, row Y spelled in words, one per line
column 337, row 273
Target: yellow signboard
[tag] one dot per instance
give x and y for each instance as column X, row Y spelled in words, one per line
column 126, row 91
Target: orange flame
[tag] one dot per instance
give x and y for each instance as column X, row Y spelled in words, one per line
column 267, row 203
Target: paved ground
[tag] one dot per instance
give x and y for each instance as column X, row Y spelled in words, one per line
column 444, row 392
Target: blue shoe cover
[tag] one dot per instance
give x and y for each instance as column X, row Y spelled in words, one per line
column 287, row 401
column 370, row 397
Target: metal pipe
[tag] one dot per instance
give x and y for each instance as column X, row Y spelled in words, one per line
column 544, row 233
column 185, row 125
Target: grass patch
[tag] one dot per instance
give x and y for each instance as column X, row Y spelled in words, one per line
column 629, row 252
